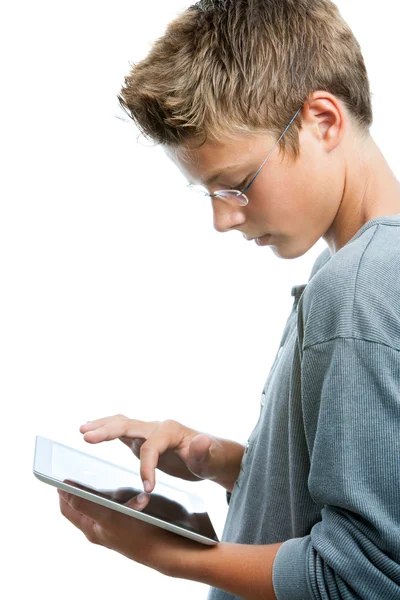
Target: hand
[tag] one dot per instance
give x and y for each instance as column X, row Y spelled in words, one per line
column 144, row 543
column 174, row 448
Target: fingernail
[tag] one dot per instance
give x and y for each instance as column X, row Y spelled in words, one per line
column 141, row 497
column 146, row 485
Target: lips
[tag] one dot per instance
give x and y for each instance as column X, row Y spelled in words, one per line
column 259, row 240
column 262, row 241
column 249, row 239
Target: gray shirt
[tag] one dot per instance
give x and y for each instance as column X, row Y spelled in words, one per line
column 321, row 472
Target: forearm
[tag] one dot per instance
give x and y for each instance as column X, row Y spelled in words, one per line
column 233, row 452
column 242, row 570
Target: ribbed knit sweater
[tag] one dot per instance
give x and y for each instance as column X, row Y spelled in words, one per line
column 321, row 472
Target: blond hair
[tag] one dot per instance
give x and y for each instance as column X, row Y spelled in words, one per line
column 231, row 66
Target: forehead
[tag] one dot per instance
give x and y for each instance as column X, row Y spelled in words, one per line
column 200, row 162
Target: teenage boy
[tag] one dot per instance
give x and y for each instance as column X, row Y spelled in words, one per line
column 315, row 494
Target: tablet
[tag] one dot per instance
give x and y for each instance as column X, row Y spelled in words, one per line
column 113, row 486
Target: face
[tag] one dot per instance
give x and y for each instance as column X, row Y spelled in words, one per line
column 291, row 204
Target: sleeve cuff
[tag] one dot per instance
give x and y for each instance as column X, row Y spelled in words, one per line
column 289, row 572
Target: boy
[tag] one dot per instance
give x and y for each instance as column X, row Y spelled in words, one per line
column 315, row 495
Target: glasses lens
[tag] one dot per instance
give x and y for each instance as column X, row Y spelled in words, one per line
column 198, row 189
column 233, row 197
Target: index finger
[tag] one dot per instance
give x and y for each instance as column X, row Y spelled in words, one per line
column 162, row 439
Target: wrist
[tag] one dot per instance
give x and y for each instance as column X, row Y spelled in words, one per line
column 239, row 569
column 194, row 562
column 188, row 560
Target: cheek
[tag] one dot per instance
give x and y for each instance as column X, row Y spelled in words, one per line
column 305, row 194
column 315, row 191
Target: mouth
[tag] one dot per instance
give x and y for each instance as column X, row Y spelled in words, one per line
column 263, row 241
column 260, row 241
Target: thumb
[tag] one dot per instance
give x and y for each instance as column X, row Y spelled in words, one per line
column 199, row 448
column 205, row 457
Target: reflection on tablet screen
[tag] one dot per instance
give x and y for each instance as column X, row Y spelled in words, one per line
column 158, row 506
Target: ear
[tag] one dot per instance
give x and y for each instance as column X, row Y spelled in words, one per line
column 326, row 118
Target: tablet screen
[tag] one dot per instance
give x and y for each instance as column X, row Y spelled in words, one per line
column 104, row 479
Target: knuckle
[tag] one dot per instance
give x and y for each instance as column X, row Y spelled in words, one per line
column 91, row 536
column 147, row 450
column 155, row 425
column 170, row 423
column 75, row 502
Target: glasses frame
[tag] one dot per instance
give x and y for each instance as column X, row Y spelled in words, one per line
column 237, row 194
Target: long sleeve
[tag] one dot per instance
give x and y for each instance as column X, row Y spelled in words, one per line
column 350, row 391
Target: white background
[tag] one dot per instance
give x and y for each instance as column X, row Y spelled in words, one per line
column 117, row 296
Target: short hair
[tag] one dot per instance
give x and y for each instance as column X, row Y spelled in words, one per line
column 227, row 67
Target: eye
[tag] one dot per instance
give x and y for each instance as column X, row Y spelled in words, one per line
column 239, row 186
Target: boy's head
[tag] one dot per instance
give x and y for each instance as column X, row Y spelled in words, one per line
column 220, row 88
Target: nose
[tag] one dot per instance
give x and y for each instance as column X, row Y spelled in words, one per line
column 226, row 216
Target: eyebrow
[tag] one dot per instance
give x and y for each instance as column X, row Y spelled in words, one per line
column 217, row 174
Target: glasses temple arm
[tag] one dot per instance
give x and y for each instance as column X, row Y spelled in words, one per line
column 285, row 130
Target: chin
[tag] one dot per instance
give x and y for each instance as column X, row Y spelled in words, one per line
column 288, row 251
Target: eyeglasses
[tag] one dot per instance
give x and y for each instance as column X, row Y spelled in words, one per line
column 236, row 197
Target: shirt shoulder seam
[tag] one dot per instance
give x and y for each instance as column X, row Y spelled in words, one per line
column 350, row 337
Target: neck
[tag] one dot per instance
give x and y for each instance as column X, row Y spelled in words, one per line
column 370, row 190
